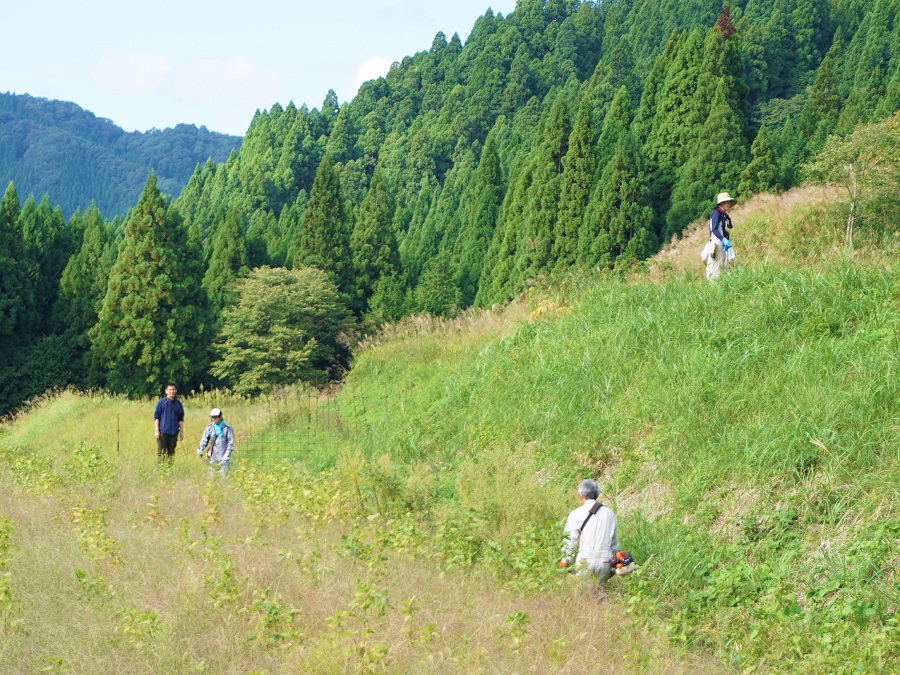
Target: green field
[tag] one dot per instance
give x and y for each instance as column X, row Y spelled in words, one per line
column 746, row 433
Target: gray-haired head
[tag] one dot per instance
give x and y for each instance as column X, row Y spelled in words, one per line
column 589, row 489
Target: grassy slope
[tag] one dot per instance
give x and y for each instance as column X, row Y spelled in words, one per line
column 746, row 433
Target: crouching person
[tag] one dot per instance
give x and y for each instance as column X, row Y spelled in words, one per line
column 591, row 532
column 218, row 442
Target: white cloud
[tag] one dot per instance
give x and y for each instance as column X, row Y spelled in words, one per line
column 370, row 69
column 132, row 73
column 233, row 80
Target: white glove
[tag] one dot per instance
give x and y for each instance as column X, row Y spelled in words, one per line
column 199, row 452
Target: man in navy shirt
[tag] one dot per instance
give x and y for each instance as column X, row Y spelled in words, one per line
column 168, row 419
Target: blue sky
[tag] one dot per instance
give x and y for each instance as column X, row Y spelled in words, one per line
column 156, row 64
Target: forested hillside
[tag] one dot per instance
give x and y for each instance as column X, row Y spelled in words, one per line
column 566, row 134
column 564, row 137
column 58, row 149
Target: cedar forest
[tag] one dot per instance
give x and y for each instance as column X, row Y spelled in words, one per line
column 566, row 135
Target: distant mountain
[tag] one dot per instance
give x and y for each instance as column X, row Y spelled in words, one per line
column 59, row 149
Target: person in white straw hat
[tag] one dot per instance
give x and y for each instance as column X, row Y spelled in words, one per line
column 719, row 224
column 218, row 441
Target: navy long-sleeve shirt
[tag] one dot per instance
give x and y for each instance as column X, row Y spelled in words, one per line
column 719, row 222
column 169, row 413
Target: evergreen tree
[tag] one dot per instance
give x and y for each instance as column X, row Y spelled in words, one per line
column 324, row 240
column 541, row 194
column 616, row 125
column 809, row 32
column 723, row 66
column 653, row 83
column 425, row 202
column 761, row 174
column 373, row 242
column 459, row 187
column 300, row 155
column 680, row 105
column 389, row 300
column 618, row 224
column 480, row 218
column 46, row 254
column 268, row 237
column 792, row 152
column 16, row 296
column 436, row 293
column 82, row 289
column 768, row 52
column 579, row 168
column 227, row 262
column 820, row 113
column 716, row 165
column 149, row 330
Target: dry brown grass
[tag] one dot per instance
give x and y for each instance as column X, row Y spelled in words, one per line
column 495, row 320
column 786, row 228
column 184, row 586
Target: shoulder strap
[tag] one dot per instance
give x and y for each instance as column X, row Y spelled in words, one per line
column 594, row 509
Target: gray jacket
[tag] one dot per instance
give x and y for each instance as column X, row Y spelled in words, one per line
column 221, row 446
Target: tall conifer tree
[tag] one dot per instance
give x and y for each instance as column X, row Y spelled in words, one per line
column 149, row 329
column 714, row 167
column 819, row 116
column 618, row 224
column 82, row 289
column 480, row 218
column 16, row 296
column 373, row 242
column 761, row 174
column 324, row 237
column 579, row 169
column 540, row 197
column 227, row 262
column 46, row 254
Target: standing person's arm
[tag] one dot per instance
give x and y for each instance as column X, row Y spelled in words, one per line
column 180, row 414
column 230, row 447
column 204, row 440
column 156, row 420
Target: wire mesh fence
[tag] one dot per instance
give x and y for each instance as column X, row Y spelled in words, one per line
column 311, row 426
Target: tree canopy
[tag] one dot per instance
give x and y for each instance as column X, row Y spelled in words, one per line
column 562, row 137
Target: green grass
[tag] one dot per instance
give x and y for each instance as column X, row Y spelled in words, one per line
column 746, row 433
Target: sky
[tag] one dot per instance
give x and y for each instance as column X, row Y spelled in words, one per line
column 214, row 63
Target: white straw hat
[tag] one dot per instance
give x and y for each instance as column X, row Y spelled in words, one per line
column 724, row 197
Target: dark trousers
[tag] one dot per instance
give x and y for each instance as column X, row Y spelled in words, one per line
column 165, row 446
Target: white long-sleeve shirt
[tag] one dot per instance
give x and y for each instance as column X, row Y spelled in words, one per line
column 597, row 544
